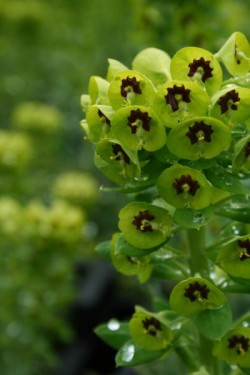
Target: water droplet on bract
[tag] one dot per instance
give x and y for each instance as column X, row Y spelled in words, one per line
column 113, row 325
column 229, row 183
column 235, row 230
column 199, row 219
column 128, row 352
column 141, row 178
column 245, row 324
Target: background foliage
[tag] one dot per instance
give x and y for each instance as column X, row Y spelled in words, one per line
column 51, row 211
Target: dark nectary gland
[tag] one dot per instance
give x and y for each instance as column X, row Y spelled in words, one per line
column 138, row 221
column 130, row 82
column 137, row 114
column 151, row 325
column 120, row 153
column 244, row 244
column 201, row 63
column 228, row 101
column 194, row 130
column 171, row 96
column 193, row 288
column 186, row 180
column 241, row 343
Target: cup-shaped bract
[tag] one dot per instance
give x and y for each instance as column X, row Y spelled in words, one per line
column 235, row 54
column 178, row 100
column 114, row 67
column 194, row 295
column 154, row 63
column 138, row 127
column 97, row 124
column 116, row 163
column 182, row 186
column 234, row 347
column 231, row 105
column 145, row 225
column 149, row 331
column 198, row 65
column 130, row 88
column 241, row 156
column 199, row 137
column 98, row 90
column 129, row 265
column 234, row 257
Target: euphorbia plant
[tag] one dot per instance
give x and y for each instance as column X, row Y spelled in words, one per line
column 178, row 130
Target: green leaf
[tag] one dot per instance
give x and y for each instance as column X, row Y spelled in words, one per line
column 223, row 179
column 132, row 354
column 103, row 249
column 236, row 207
column 113, row 333
column 188, row 218
column 213, row 324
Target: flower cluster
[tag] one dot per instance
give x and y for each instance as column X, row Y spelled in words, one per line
column 180, row 128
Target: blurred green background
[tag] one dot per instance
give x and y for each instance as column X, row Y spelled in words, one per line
column 52, row 213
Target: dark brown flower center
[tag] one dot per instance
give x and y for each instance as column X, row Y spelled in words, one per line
column 185, row 184
column 229, row 101
column 175, row 94
column 196, row 292
column 199, row 132
column 244, row 244
column 151, row 326
column 142, row 221
column 130, row 84
column 120, row 154
column 240, row 343
column 200, row 66
column 103, row 118
column 137, row 119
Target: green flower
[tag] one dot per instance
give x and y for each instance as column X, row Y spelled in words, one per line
column 234, row 257
column 241, row 159
column 234, row 347
column 138, row 127
column 182, row 187
column 98, row 90
column 231, row 105
column 144, row 225
column 130, row 88
column 127, row 264
column 194, row 295
column 235, row 54
column 178, row 100
column 199, row 137
column 97, row 124
column 198, row 65
column 149, row 331
column 116, row 162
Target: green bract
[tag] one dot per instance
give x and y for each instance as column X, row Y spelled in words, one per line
column 149, row 331
column 198, row 65
column 231, row 105
column 98, row 90
column 234, row 347
column 234, row 257
column 129, row 265
column 130, row 88
column 194, row 295
column 182, row 187
column 144, row 225
column 154, row 64
column 241, row 159
column 138, row 127
column 116, row 162
column 97, row 124
column 179, row 100
column 199, row 137
column 235, row 54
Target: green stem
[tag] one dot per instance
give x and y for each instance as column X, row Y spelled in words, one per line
column 198, row 262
